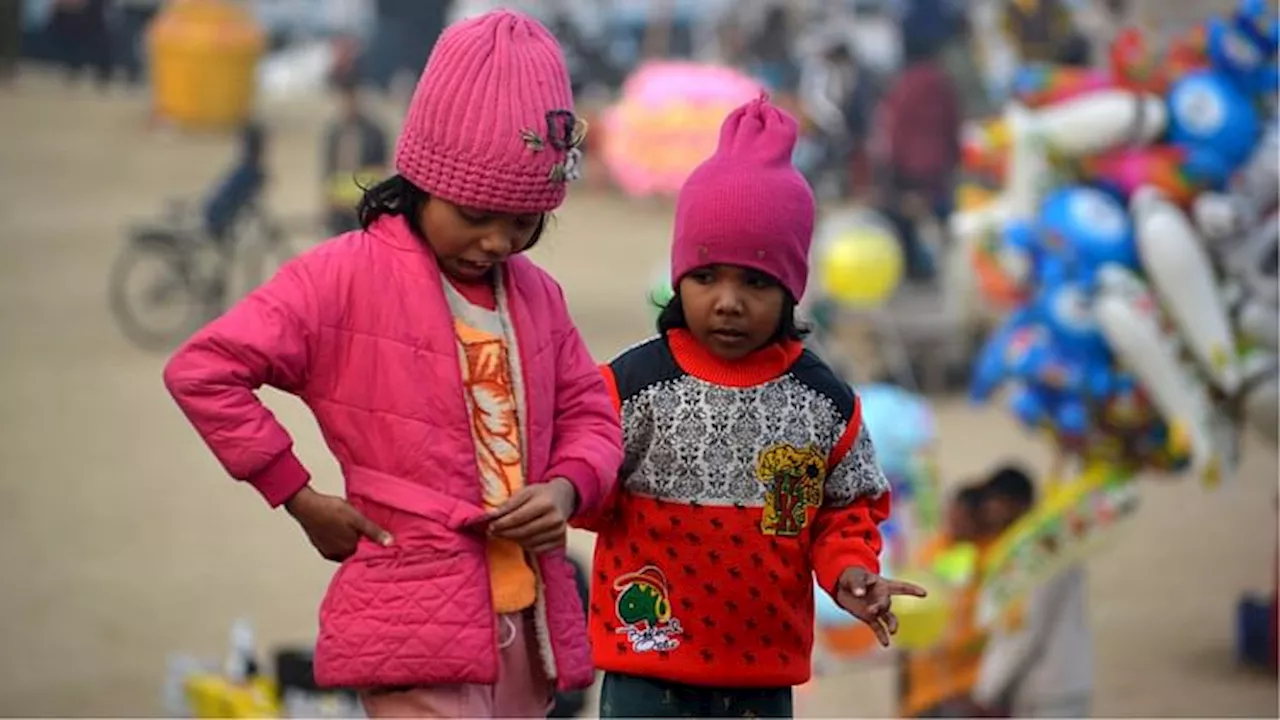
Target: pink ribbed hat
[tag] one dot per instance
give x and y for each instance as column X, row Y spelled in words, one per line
column 491, row 124
column 747, row 205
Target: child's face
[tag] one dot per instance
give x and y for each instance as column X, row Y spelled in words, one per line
column 962, row 522
column 469, row 243
column 998, row 513
column 731, row 311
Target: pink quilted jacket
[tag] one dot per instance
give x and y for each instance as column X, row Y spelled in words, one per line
column 359, row 329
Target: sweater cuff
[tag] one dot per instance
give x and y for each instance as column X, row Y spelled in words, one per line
column 829, row 566
column 582, row 476
column 281, row 479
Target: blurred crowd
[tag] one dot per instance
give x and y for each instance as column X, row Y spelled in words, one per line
column 883, row 87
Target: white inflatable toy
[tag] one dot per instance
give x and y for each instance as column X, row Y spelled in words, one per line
column 1130, row 320
column 1100, row 121
column 1178, row 267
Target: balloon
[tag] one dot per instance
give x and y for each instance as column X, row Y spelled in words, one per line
column 667, row 121
column 902, row 426
column 861, row 266
column 922, row 622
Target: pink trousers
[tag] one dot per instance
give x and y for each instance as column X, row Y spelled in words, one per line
column 522, row 690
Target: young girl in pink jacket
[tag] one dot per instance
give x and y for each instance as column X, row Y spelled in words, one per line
column 450, row 382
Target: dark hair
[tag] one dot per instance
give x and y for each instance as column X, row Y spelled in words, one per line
column 970, row 497
column 1011, row 483
column 397, row 196
column 672, row 317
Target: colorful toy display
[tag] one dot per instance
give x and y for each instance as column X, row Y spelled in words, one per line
column 1126, row 222
column 1137, row 259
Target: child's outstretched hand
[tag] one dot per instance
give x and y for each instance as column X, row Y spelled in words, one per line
column 537, row 516
column 868, row 597
column 332, row 525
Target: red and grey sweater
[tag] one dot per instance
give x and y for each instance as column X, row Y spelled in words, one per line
column 740, row 481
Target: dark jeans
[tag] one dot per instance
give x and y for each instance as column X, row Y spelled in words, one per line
column 628, row 696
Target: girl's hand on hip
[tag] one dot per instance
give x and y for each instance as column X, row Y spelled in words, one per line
column 869, row 597
column 537, row 516
column 332, row 525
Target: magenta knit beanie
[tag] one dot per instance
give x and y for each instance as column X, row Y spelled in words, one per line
column 491, row 124
column 747, row 205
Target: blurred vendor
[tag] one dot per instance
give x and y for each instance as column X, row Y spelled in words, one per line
column 356, row 152
column 936, row 683
column 1038, row 664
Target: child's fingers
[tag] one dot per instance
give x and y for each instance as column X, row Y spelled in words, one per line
column 515, row 513
column 513, row 503
column 880, row 605
column 890, row 622
column 882, row 633
column 898, row 587
column 369, row 528
column 525, row 524
column 546, row 543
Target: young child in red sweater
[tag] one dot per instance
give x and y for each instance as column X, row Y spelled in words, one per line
column 746, row 469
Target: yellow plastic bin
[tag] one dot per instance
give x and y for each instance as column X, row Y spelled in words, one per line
column 204, row 59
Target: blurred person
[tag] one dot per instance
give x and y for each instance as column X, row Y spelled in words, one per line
column 838, row 96
column 768, row 51
column 356, row 149
column 445, row 373
column 1038, row 29
column 240, row 188
column 129, row 38
column 403, row 34
column 916, row 152
column 80, row 29
column 1007, row 495
column 10, row 38
column 959, row 56
column 746, row 468
column 936, row 682
column 1099, row 22
column 1038, row 662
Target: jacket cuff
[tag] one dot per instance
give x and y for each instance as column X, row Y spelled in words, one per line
column 582, row 476
column 281, row 479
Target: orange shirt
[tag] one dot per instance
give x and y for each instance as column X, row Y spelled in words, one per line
column 950, row 670
column 491, row 382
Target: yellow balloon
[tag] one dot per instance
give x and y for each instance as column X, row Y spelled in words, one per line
column 861, row 266
column 922, row 622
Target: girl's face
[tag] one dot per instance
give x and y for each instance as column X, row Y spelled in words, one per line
column 469, row 243
column 731, row 311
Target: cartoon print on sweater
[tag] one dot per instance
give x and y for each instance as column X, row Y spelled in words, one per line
column 793, row 479
column 644, row 609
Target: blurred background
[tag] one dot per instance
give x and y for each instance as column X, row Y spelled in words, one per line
column 158, row 159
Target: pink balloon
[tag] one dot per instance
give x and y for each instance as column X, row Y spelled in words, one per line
column 667, row 122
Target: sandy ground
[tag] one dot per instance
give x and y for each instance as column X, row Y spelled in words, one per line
column 122, row 540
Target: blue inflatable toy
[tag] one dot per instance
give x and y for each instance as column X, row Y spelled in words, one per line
column 1080, row 229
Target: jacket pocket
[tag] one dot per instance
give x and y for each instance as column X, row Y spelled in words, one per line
column 406, row 615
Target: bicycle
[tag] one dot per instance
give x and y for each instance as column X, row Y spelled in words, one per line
column 192, row 271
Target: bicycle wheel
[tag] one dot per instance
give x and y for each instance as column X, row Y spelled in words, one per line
column 154, row 294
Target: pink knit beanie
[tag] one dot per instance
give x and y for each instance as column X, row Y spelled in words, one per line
column 747, row 205
column 491, row 124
